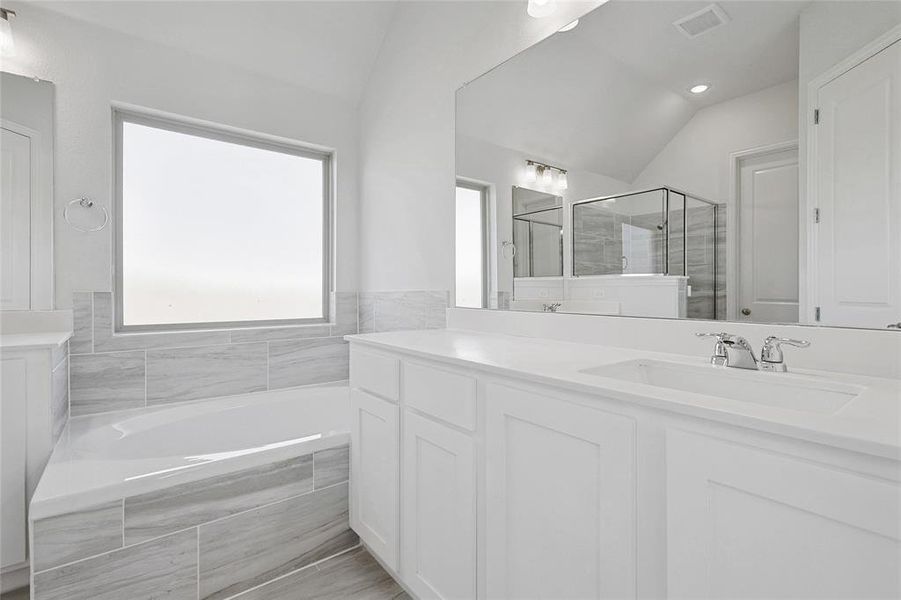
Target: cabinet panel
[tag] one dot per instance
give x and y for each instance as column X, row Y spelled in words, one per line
column 438, row 524
column 747, row 523
column 13, row 417
column 375, row 372
column 374, row 474
column 561, row 513
column 442, row 393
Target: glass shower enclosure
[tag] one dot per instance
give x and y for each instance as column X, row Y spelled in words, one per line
column 659, row 231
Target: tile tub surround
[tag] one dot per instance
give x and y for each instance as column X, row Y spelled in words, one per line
column 222, row 535
column 398, row 310
column 111, row 372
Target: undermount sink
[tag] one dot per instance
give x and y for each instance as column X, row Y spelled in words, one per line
column 771, row 389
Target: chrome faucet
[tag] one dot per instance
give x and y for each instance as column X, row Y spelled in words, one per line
column 771, row 358
column 735, row 351
column 731, row 351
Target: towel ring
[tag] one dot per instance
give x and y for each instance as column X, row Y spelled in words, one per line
column 504, row 246
column 85, row 203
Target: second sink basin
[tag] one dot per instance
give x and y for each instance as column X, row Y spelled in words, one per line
column 771, row 389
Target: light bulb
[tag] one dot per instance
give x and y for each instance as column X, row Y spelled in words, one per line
column 531, row 173
column 7, row 43
column 562, row 182
column 541, row 8
column 547, row 176
column 569, row 27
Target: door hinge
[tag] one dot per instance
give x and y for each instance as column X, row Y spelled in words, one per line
column 816, row 116
column 816, row 215
column 816, row 313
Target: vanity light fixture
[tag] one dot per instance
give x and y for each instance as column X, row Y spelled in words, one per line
column 541, row 8
column 569, row 27
column 7, row 44
column 546, row 175
column 699, row 88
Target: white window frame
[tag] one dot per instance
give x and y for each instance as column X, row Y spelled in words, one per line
column 483, row 190
column 122, row 115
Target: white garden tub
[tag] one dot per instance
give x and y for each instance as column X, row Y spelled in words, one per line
column 115, row 455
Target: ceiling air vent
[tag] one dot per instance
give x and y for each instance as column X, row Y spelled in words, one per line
column 701, row 22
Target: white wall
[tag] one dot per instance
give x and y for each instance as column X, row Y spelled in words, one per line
column 407, row 118
column 503, row 168
column 93, row 66
column 697, row 158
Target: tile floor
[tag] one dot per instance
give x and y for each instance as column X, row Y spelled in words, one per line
column 354, row 575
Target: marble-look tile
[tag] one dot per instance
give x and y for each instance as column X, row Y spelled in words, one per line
column 435, row 310
column 163, row 568
column 265, row 334
column 366, row 312
column 304, row 362
column 82, row 341
column 59, row 396
column 179, row 374
column 393, row 311
column 331, row 466
column 67, row 538
column 354, row 575
column 250, row 548
column 158, row 513
column 104, row 382
column 106, row 341
column 344, row 313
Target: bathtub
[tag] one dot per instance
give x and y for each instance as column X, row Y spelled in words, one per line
column 181, row 487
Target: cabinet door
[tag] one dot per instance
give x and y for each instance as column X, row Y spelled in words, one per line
column 748, row 523
column 438, row 522
column 374, row 474
column 13, row 416
column 560, row 501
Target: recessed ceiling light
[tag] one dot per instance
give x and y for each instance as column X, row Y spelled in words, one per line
column 541, row 8
column 699, row 89
column 569, row 27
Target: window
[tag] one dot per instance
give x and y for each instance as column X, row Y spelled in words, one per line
column 216, row 228
column 471, row 288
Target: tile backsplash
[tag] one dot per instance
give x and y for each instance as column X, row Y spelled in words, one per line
column 110, row 371
column 410, row 309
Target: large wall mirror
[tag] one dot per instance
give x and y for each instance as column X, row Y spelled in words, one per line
column 734, row 161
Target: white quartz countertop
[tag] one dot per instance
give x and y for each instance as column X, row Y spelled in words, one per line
column 28, row 341
column 870, row 423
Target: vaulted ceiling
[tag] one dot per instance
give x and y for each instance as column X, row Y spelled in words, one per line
column 326, row 46
column 607, row 96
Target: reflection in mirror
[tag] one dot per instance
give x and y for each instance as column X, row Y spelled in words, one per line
column 742, row 167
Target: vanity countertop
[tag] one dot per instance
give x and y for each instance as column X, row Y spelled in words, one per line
column 870, row 423
column 31, row 341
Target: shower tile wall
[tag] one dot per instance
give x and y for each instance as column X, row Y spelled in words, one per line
column 118, row 371
column 599, row 249
column 603, row 237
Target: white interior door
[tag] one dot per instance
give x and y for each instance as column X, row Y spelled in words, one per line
column 858, row 193
column 768, row 238
column 15, row 221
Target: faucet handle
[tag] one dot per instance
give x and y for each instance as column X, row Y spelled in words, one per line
column 772, row 350
column 719, row 350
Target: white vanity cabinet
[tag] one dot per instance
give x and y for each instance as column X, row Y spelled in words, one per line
column 375, row 465
column 749, row 522
column 560, row 494
column 468, row 483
